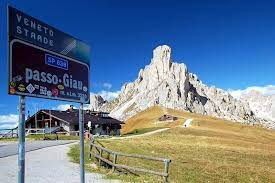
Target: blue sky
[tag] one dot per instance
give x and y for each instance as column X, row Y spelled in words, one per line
column 229, row 44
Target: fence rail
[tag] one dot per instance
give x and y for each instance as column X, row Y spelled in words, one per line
column 34, row 131
column 8, row 133
column 113, row 163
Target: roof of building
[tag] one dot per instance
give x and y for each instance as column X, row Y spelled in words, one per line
column 167, row 117
column 72, row 116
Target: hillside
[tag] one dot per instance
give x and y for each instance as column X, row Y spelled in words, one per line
column 211, row 150
column 149, row 119
column 145, row 119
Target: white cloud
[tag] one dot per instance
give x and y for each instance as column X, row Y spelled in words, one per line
column 8, row 121
column 10, row 118
column 264, row 90
column 62, row 107
column 236, row 93
column 107, row 95
column 107, row 85
column 7, row 126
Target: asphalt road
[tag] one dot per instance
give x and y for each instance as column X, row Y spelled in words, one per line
column 46, row 165
column 10, row 149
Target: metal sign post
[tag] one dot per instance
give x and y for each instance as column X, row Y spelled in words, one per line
column 21, row 144
column 81, row 136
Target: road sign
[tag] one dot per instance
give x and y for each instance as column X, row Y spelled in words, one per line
column 45, row 62
column 37, row 72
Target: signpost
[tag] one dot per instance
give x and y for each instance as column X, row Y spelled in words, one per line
column 45, row 63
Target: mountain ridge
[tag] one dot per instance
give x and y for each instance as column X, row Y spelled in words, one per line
column 169, row 84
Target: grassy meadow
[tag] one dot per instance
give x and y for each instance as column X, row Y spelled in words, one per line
column 211, row 150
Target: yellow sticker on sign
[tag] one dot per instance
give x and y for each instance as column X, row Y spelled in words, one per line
column 60, row 87
column 21, row 88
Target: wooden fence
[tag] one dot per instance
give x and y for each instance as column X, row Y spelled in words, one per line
column 13, row 132
column 8, row 133
column 34, row 131
column 98, row 153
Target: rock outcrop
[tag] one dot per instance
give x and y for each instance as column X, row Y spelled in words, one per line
column 169, row 84
column 262, row 105
column 96, row 102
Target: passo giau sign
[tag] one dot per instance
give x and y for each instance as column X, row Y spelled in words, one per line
column 41, row 73
column 45, row 62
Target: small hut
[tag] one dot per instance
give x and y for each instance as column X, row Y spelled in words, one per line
column 167, row 117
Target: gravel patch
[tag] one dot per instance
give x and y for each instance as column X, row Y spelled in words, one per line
column 46, row 165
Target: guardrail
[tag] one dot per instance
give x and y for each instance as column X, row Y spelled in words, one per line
column 13, row 132
column 33, row 131
column 9, row 133
column 113, row 163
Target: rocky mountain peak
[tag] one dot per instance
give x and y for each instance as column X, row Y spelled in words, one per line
column 262, row 105
column 96, row 101
column 162, row 55
column 161, row 71
column 169, row 84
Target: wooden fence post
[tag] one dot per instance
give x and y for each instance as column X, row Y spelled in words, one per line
column 114, row 162
column 91, row 148
column 100, row 153
column 166, row 167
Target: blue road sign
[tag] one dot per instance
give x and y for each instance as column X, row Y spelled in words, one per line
column 56, row 61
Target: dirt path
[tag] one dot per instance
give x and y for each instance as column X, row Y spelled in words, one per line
column 46, row 165
column 141, row 135
column 187, row 123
